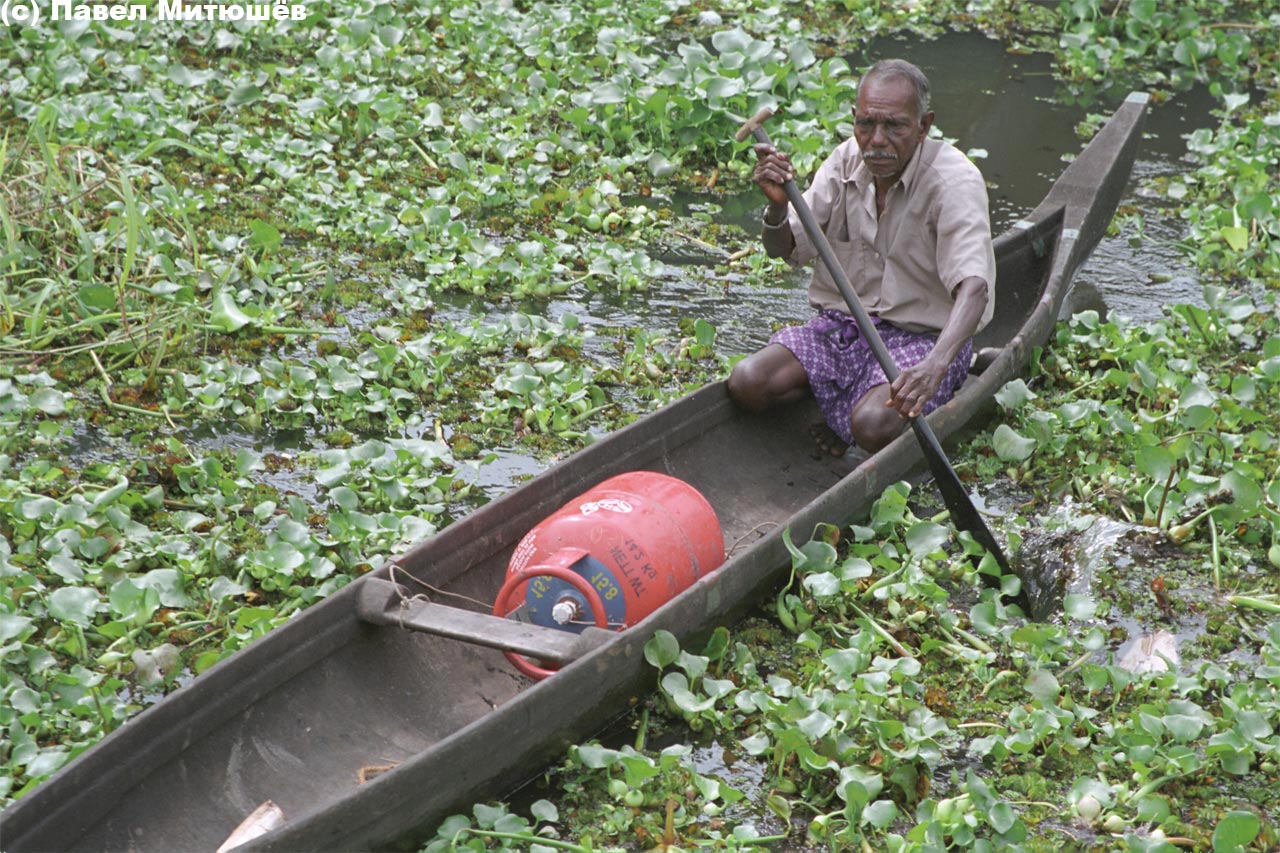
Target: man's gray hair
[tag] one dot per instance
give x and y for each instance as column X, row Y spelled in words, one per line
column 905, row 70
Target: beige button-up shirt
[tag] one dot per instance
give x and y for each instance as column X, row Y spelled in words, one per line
column 904, row 265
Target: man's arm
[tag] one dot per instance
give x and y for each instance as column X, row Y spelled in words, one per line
column 773, row 169
column 777, row 237
column 916, row 385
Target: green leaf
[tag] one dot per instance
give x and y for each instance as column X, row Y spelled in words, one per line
column 822, row 584
column 1244, row 389
column 1235, row 100
column 677, row 687
column 98, row 297
column 816, row 725
column 76, row 604
column 661, row 166
column 1154, row 809
column 227, row 316
column 983, row 618
column 263, row 236
column 662, row 649
column 780, row 806
column 925, row 537
column 1236, row 237
column 719, row 88
column 24, row 700
column 168, row 585
column 1043, row 686
column 880, row 814
column 1238, row 308
column 49, row 400
column 13, row 626
column 1183, row 727
column 607, row 93
column 246, row 93
column 801, row 54
column 717, row 644
column 1235, row 831
column 855, row 568
column 347, row 499
column 1190, row 49
column 1010, row 446
column 731, row 41
column 487, row 816
column 1260, row 206
column 308, row 107
column 844, row 663
column 1002, row 817
column 1156, row 462
column 695, row 666
column 1014, row 395
column 1142, row 10
column 132, row 602
column 1245, row 492
column 595, row 757
column 47, row 762
column 545, row 810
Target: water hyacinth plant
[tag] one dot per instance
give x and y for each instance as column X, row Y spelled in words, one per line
column 270, row 295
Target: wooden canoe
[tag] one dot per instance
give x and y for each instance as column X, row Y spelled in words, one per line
column 296, row 716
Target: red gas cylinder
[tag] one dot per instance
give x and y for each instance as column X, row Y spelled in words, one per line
column 611, row 556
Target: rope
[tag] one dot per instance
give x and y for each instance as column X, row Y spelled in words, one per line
column 743, row 537
column 432, row 589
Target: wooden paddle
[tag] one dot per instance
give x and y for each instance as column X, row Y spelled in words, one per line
column 963, row 512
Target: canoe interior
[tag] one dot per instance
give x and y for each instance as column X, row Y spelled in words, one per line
column 296, row 717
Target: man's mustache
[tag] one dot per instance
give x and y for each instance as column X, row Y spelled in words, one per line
column 887, row 156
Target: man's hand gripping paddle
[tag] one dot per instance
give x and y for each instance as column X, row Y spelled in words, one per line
column 963, row 512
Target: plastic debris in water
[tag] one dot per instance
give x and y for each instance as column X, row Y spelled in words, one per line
column 1150, row 653
column 153, row 666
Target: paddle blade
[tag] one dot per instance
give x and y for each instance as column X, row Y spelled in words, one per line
column 963, row 513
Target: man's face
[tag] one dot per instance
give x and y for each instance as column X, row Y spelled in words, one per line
column 886, row 125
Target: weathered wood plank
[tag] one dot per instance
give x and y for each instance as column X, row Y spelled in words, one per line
column 385, row 603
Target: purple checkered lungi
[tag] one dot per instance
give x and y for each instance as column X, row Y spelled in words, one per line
column 841, row 367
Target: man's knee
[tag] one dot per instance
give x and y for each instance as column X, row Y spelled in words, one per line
column 741, row 385
column 748, row 384
column 874, row 424
column 765, row 378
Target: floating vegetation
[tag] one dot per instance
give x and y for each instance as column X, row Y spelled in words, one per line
column 256, row 228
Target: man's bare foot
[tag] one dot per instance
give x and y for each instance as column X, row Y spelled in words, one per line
column 827, row 441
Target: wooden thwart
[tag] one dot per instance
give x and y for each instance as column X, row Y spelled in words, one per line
column 385, row 603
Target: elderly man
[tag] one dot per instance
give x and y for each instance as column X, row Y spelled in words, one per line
column 907, row 217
